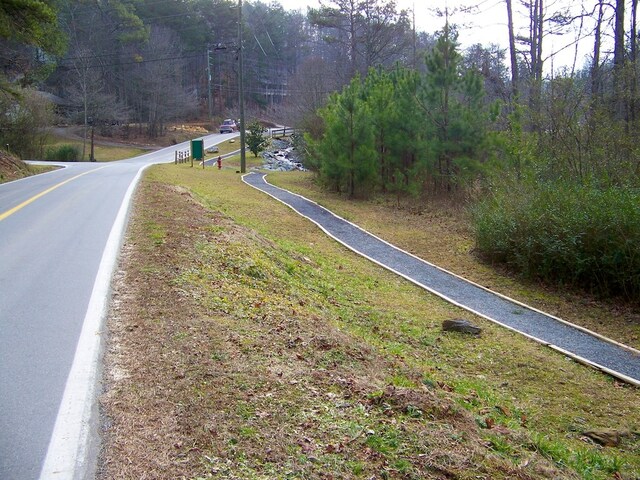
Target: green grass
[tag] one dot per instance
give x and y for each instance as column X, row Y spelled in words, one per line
column 157, row 233
column 226, row 147
column 102, row 153
column 534, row 393
column 420, row 227
column 588, row 463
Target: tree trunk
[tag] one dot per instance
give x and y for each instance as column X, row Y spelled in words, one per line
column 596, row 80
column 539, row 60
column 634, row 31
column 634, row 61
column 512, row 51
column 353, row 40
column 352, row 153
column 618, row 62
column 84, row 129
column 536, row 22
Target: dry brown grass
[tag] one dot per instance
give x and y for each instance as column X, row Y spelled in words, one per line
column 12, row 168
column 226, row 360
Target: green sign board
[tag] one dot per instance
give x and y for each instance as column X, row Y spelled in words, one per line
column 197, row 149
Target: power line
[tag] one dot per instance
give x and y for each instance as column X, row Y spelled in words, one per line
column 138, row 62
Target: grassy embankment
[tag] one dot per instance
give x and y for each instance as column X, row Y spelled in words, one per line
column 247, row 344
column 12, row 168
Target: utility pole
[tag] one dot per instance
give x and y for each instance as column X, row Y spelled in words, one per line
column 92, row 157
column 209, row 82
column 243, row 156
column 512, row 54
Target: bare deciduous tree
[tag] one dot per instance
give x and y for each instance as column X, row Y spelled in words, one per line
column 371, row 33
column 159, row 86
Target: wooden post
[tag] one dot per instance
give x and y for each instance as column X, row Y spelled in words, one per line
column 175, row 161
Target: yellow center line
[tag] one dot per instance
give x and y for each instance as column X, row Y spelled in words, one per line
column 42, row 194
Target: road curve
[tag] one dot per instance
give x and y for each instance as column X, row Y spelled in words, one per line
column 60, row 234
column 576, row 342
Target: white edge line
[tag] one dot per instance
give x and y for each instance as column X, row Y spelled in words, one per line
column 46, row 163
column 464, row 307
column 68, row 451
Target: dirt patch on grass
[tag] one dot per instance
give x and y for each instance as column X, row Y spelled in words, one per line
column 224, row 361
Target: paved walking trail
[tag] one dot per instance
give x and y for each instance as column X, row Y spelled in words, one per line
column 587, row 347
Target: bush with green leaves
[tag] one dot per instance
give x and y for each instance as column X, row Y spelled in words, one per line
column 256, row 141
column 63, row 153
column 562, row 232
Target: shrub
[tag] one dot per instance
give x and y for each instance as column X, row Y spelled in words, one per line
column 564, row 233
column 63, row 153
column 255, row 139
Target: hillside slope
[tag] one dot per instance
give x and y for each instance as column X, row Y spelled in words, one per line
column 12, row 168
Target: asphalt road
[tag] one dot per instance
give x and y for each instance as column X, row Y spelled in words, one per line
column 584, row 346
column 60, row 233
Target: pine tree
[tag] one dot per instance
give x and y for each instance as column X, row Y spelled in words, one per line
column 380, row 97
column 452, row 102
column 408, row 139
column 346, row 151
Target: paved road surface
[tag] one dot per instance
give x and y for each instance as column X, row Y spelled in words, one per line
column 620, row 361
column 54, row 277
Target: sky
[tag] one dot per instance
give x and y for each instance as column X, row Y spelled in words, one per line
column 487, row 24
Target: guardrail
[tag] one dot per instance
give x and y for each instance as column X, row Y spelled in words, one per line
column 282, row 132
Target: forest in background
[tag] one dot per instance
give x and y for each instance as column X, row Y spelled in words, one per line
column 116, row 63
column 548, row 163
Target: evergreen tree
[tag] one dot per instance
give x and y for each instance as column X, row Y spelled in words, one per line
column 29, row 37
column 346, row 150
column 408, row 141
column 451, row 99
column 31, row 22
column 380, row 99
